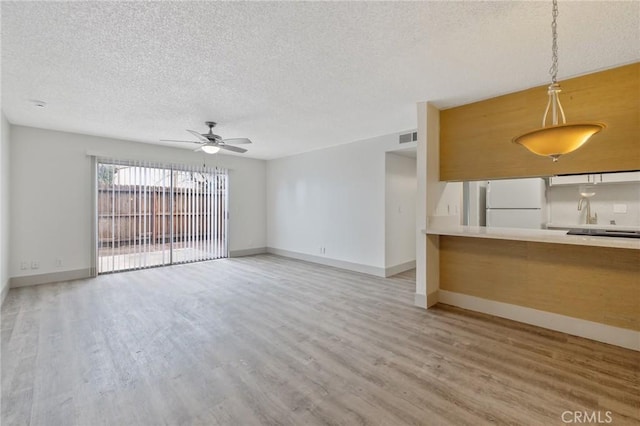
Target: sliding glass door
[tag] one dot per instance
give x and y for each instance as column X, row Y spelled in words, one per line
column 199, row 201
column 151, row 215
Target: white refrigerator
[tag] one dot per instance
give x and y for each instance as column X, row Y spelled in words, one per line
column 516, row 203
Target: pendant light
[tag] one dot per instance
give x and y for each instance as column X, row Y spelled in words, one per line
column 557, row 138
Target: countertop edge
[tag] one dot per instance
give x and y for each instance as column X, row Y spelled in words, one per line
column 534, row 235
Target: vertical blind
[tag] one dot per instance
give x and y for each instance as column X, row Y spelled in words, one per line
column 153, row 215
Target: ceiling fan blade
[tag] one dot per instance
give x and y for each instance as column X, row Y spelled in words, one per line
column 173, row 140
column 198, row 135
column 236, row 141
column 233, row 148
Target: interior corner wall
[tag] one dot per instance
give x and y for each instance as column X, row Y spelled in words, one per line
column 52, row 195
column 328, row 206
column 5, row 144
column 401, row 187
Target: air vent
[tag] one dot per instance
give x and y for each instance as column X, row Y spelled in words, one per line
column 409, row 137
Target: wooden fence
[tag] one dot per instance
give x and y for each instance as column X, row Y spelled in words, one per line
column 133, row 214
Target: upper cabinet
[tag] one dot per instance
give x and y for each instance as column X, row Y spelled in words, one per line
column 476, row 139
column 571, row 179
column 595, row 178
column 620, row 177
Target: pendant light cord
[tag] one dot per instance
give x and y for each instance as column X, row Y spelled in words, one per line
column 553, row 105
column 553, row 71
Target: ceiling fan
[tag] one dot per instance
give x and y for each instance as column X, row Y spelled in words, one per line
column 211, row 143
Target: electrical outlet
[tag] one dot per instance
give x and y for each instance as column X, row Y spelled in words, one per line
column 58, row 262
column 35, row 264
column 24, row 265
column 620, row 208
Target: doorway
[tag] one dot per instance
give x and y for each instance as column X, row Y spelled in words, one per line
column 401, row 186
column 150, row 215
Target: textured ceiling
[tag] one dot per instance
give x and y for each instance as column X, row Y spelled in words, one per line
column 292, row 76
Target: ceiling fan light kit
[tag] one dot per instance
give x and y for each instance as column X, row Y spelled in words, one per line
column 557, row 138
column 211, row 143
column 210, row 148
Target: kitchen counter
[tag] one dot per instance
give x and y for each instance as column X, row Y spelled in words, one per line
column 596, row 226
column 534, row 235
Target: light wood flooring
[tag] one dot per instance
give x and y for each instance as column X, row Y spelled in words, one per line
column 266, row 340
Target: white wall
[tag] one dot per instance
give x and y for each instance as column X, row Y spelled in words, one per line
column 563, row 204
column 51, row 195
column 334, row 199
column 5, row 130
column 425, row 144
column 439, row 204
column 401, row 187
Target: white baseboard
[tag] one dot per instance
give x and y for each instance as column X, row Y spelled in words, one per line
column 420, row 300
column 52, row 277
column 393, row 270
column 623, row 337
column 350, row 266
column 247, row 252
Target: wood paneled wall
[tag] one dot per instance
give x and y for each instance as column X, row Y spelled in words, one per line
column 592, row 283
column 475, row 139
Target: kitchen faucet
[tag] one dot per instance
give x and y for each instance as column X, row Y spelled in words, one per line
column 589, row 220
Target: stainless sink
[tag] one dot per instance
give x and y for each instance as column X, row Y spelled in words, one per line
column 605, row 233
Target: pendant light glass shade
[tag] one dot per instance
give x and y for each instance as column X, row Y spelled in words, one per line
column 558, row 138
column 554, row 141
column 210, row 148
